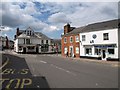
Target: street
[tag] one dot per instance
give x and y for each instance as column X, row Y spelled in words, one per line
column 61, row 72
column 16, row 74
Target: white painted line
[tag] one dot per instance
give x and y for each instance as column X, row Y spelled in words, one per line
column 63, row 69
column 43, row 62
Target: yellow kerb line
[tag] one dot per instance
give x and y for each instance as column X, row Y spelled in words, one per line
column 5, row 63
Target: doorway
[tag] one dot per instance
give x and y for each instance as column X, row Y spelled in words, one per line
column 103, row 54
column 24, row 50
column 71, row 51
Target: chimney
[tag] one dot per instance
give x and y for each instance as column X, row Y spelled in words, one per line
column 66, row 28
column 17, row 32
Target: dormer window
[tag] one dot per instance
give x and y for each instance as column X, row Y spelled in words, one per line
column 29, row 32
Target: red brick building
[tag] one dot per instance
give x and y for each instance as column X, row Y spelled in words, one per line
column 70, row 41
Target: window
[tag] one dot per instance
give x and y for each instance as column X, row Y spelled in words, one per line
column 97, row 51
column 83, row 37
column 77, row 50
column 45, row 48
column 20, row 47
column 42, row 41
column 24, row 41
column 111, row 51
column 105, row 36
column 46, row 41
column 88, row 51
column 30, row 47
column 65, row 40
column 27, row 32
column 77, row 38
column 65, row 50
column 71, row 39
column 27, row 41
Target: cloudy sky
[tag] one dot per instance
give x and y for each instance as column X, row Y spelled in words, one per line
column 50, row 17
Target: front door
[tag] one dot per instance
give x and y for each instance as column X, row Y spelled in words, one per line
column 24, row 50
column 71, row 51
column 103, row 54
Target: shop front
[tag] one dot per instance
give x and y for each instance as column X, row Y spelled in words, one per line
column 102, row 52
column 106, row 52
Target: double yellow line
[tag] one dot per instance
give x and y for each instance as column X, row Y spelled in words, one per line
column 5, row 63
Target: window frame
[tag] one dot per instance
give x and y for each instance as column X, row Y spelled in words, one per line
column 65, row 39
column 105, row 36
column 27, row 41
column 77, row 38
column 113, row 51
column 84, row 39
column 65, row 50
column 89, row 51
column 71, row 39
column 77, row 51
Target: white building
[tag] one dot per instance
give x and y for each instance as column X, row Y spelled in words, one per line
column 27, row 41
column 100, row 40
column 4, row 42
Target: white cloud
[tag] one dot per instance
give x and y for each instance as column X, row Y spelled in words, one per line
column 14, row 16
column 58, row 18
column 60, row 13
column 5, row 28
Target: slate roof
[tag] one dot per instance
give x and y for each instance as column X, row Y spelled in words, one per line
column 101, row 26
column 43, row 36
column 35, row 35
column 95, row 27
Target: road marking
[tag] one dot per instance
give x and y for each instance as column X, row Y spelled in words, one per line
column 18, row 83
column 63, row 69
column 5, row 63
column 43, row 62
column 25, row 82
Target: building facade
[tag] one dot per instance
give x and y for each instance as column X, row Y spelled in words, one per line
column 56, row 45
column 100, row 40
column 70, row 42
column 28, row 41
column 4, row 42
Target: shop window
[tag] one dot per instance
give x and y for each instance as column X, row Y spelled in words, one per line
column 20, row 47
column 77, row 50
column 77, row 38
column 88, row 51
column 83, row 37
column 97, row 51
column 111, row 51
column 30, row 47
column 105, row 36
column 65, row 50
column 71, row 39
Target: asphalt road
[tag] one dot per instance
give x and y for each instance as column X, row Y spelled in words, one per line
column 16, row 74
column 65, row 73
